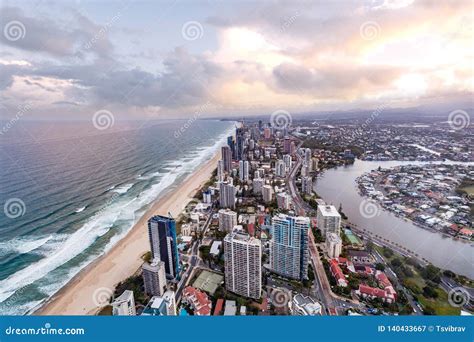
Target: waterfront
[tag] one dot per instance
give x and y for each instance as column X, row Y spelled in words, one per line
column 82, row 196
column 338, row 186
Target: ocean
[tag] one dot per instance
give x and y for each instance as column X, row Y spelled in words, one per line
column 69, row 192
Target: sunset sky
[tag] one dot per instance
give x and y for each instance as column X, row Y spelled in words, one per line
column 175, row 58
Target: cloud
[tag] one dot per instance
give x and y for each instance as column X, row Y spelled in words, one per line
column 74, row 38
column 334, row 83
column 185, row 81
column 252, row 57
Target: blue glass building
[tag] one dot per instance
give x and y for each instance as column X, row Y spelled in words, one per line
column 162, row 235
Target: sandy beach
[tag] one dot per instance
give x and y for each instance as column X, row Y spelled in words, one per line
column 97, row 280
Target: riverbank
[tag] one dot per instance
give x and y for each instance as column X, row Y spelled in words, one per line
column 80, row 295
column 411, row 193
column 337, row 186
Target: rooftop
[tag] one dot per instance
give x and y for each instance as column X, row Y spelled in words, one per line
column 328, row 210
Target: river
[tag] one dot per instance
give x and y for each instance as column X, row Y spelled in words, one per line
column 338, row 186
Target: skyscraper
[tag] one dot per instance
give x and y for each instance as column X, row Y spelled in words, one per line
column 243, row 271
column 267, row 133
column 162, row 235
column 329, row 220
column 283, row 200
column 307, row 185
column 231, row 144
column 280, row 168
column 227, row 220
column 227, row 158
column 207, row 196
column 227, row 195
column 289, row 246
column 267, row 193
column 288, row 161
column 258, row 184
column 244, row 170
column 286, row 145
column 239, row 143
column 292, row 148
column 154, row 277
column 220, row 170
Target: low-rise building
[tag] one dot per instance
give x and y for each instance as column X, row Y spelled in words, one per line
column 161, row 305
column 305, row 306
column 198, row 301
column 337, row 273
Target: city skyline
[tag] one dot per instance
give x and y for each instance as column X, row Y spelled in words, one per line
column 237, row 158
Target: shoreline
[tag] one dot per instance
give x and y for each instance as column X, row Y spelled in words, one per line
column 124, row 259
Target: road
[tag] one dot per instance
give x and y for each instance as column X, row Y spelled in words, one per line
column 449, row 285
column 194, row 261
column 321, row 288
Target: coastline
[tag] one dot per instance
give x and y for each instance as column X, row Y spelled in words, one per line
column 124, row 259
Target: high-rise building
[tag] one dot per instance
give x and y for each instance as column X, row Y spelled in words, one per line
column 307, row 158
column 333, row 245
column 251, row 144
column 288, row 161
column 280, row 168
column 220, row 170
column 283, row 200
column 243, row 270
column 258, row 185
column 289, row 253
column 231, row 144
column 227, row 220
column 164, row 305
column 154, row 277
column 162, row 235
column 328, row 219
column 227, row 195
column 267, row 133
column 239, row 143
column 244, row 170
column 227, row 158
column 267, row 193
column 207, row 196
column 292, row 148
column 124, row 305
column 307, row 185
column 286, row 145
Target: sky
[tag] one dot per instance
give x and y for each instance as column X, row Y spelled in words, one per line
column 179, row 59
